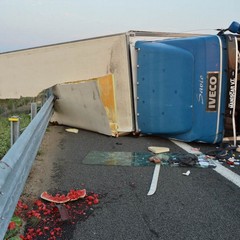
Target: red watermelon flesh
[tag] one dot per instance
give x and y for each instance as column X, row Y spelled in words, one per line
column 74, row 195
column 58, row 198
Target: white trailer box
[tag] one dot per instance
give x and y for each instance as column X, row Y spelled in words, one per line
column 91, row 80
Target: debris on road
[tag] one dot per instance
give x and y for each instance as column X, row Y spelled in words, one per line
column 154, row 182
column 49, row 220
column 63, row 212
column 157, row 150
column 155, row 159
column 187, row 173
column 148, row 159
column 118, row 158
column 71, row 130
column 183, row 160
column 62, row 198
column 227, row 154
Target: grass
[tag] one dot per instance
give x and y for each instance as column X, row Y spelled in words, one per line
column 5, row 131
column 4, row 136
column 11, row 107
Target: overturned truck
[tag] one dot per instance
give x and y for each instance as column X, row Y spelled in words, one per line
column 180, row 86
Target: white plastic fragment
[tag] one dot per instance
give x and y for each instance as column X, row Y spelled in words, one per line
column 186, row 173
column 72, row 130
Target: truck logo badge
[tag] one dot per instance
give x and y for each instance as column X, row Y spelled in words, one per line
column 232, row 89
column 212, row 91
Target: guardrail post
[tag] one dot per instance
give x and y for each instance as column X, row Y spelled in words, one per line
column 15, row 129
column 33, row 110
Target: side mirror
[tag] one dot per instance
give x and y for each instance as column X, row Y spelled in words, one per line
column 234, row 27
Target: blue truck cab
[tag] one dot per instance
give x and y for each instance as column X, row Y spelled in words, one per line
column 187, row 87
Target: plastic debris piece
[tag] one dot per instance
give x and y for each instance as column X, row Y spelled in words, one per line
column 72, row 130
column 204, row 164
column 158, row 149
column 231, row 161
column 212, row 164
column 63, row 212
column 154, row 182
column 187, row 173
column 205, row 161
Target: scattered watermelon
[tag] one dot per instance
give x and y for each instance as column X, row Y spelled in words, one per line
column 56, row 199
column 73, row 195
column 44, row 219
column 76, row 194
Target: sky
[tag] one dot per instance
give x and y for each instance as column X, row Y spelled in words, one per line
column 32, row 23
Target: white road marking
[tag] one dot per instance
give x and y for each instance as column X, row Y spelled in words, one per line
column 228, row 174
column 187, row 147
column 154, row 182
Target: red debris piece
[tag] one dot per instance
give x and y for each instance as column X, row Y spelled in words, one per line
column 90, row 198
column 155, row 159
column 56, row 199
column 89, row 203
column 11, row 226
column 74, row 195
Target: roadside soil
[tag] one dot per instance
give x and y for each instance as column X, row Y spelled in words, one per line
column 39, row 179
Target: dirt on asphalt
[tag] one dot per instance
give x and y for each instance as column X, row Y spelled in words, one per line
column 39, row 179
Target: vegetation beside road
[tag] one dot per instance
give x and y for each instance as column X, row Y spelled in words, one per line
column 9, row 107
column 5, row 131
column 15, row 107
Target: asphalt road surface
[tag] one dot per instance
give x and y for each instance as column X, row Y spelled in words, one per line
column 204, row 205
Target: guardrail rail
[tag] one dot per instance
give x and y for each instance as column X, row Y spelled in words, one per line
column 16, row 164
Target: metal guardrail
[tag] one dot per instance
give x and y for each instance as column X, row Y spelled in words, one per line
column 16, row 164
